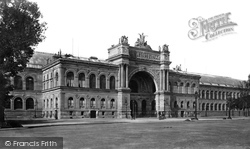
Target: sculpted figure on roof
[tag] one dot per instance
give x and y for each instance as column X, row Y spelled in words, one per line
column 141, row 41
column 123, row 40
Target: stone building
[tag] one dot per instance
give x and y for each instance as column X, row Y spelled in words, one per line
column 135, row 81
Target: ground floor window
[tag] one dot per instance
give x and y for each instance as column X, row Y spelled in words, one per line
column 18, row 103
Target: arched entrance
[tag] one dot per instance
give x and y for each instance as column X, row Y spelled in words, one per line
column 142, row 95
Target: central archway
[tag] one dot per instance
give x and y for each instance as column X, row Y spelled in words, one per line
column 142, row 88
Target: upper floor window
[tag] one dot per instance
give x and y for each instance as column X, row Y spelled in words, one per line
column 102, row 103
column 56, row 79
column 112, row 103
column 70, row 79
column 18, row 83
column 81, row 79
column 112, row 82
column 92, row 103
column 92, row 81
column 102, row 82
column 29, row 83
column 82, row 103
column 70, row 102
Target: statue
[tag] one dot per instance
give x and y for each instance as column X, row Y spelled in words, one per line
column 165, row 48
column 141, row 41
column 142, row 38
column 123, row 40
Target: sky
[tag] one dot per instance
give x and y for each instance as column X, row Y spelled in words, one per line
column 88, row 28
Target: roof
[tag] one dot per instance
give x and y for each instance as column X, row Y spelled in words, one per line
column 220, row 81
column 39, row 59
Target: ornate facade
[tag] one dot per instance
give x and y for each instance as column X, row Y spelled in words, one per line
column 135, row 81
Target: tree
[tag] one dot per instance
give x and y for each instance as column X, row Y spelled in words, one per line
column 20, row 32
column 231, row 103
column 243, row 102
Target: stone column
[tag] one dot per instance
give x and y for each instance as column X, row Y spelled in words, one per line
column 122, row 75
column 164, row 80
column 97, row 82
column 76, row 81
column 107, row 84
column 167, row 81
column 119, row 77
column 87, row 82
column 126, row 76
column 160, row 80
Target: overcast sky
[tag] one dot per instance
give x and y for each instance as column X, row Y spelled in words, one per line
column 88, row 28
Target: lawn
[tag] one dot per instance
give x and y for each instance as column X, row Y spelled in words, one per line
column 194, row 134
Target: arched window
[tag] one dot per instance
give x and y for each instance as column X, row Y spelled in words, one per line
column 211, row 106
column 223, row 95
column 193, row 88
column 181, row 88
column 207, row 107
column 18, row 103
column 92, row 81
column 70, row 102
column 203, row 107
column 82, row 103
column 219, row 95
column 175, row 104
column 51, row 103
column 29, row 83
column 51, row 80
column 203, row 94
column 18, row 83
column 181, row 104
column 187, row 87
column 215, row 95
column 219, row 107
column 7, row 104
column 112, row 103
column 44, row 104
column 194, row 104
column 102, row 103
column 223, row 107
column 70, row 79
column 211, row 95
column 188, row 106
column 56, row 103
column 47, row 103
column 215, row 107
column 102, row 82
column 153, row 105
column 112, row 82
column 29, row 103
column 56, row 79
column 207, row 95
column 92, row 103
column 81, row 80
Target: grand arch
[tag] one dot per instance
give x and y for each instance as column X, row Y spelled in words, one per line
column 142, row 95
